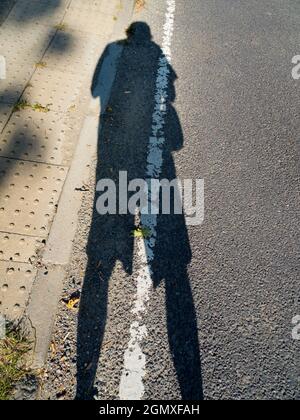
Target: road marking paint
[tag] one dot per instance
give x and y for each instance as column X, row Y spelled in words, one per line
column 132, row 385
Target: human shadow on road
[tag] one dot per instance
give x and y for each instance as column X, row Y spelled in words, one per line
column 124, row 132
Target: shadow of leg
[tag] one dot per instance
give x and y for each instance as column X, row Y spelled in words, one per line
column 91, row 327
column 183, row 335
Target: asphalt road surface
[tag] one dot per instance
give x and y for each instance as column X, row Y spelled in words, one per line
column 239, row 111
column 218, row 323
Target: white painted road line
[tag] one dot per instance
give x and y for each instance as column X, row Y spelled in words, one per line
column 131, row 385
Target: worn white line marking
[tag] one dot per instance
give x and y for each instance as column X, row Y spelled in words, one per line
column 131, row 385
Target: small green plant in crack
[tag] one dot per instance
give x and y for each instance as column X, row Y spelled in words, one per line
column 41, row 65
column 142, row 232
column 61, row 27
column 21, row 105
column 40, row 108
column 13, row 350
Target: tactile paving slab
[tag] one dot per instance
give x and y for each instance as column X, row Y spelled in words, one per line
column 95, row 23
column 12, row 87
column 95, row 6
column 22, row 51
column 50, row 66
column 57, row 90
column 5, row 112
column 27, row 45
column 29, row 196
column 39, row 137
column 16, row 280
column 30, row 12
column 18, row 248
column 5, row 8
column 76, row 52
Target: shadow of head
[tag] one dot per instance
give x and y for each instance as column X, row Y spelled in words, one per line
column 140, row 38
column 139, row 32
